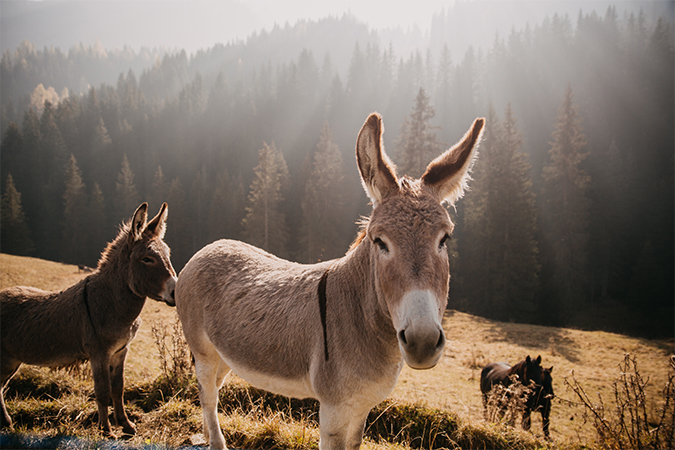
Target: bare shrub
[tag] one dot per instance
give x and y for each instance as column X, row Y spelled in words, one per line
column 176, row 361
column 174, row 353
column 506, row 403
column 629, row 424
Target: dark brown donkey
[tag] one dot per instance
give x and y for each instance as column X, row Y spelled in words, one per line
column 95, row 319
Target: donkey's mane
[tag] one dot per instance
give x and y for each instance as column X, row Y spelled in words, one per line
column 115, row 245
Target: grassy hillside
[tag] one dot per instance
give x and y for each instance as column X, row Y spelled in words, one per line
column 453, row 386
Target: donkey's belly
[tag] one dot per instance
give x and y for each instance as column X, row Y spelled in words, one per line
column 289, row 387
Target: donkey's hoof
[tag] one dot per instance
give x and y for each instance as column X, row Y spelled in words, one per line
column 198, row 440
column 5, row 424
column 129, row 428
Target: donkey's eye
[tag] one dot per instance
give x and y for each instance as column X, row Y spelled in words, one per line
column 380, row 243
column 444, row 239
column 147, row 260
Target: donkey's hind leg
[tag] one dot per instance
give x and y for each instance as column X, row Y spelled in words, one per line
column 209, row 375
column 117, row 390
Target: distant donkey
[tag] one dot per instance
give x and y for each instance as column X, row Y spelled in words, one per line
column 530, row 374
column 337, row 331
column 95, row 319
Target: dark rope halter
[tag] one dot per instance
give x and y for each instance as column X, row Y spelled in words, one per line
column 322, row 310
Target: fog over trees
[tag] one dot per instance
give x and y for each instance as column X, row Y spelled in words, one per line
column 570, row 216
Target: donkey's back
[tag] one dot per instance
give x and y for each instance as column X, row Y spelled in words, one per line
column 235, row 288
column 43, row 328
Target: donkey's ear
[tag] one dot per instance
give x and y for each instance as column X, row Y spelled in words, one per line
column 378, row 173
column 538, row 360
column 138, row 222
column 550, row 370
column 157, row 226
column 447, row 175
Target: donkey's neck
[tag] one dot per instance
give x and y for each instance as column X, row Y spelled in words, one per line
column 118, row 300
column 352, row 281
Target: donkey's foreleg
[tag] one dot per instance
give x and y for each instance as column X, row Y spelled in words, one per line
column 9, row 368
column 207, row 370
column 100, row 369
column 117, row 388
column 546, row 419
column 341, row 427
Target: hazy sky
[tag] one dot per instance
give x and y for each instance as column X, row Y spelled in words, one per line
column 199, row 24
column 376, row 13
column 189, row 24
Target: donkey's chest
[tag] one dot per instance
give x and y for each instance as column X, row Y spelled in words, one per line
column 114, row 339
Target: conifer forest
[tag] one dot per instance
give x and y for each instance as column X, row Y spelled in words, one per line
column 569, row 219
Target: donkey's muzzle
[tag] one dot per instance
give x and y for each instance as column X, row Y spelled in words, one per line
column 421, row 338
column 421, row 350
column 169, row 291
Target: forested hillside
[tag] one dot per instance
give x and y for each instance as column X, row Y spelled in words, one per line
column 570, row 216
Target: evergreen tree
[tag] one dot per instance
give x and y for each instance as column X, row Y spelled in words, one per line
column 101, row 158
column 501, row 254
column 265, row 223
column 54, row 160
column 418, row 143
column 159, row 190
column 28, row 180
column 227, row 209
column 99, row 232
column 219, row 210
column 127, row 198
column 75, row 215
column 15, row 238
column 178, row 234
column 200, row 202
column 322, row 205
column 10, row 156
column 565, row 208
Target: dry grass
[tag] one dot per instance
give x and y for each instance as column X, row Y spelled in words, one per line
column 47, row 275
column 453, row 385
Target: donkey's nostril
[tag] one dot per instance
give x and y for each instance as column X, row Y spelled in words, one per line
column 173, row 294
column 441, row 340
column 401, row 337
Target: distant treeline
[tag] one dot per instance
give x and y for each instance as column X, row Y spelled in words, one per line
column 572, row 204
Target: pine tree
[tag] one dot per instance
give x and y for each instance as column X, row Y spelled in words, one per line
column 15, row 235
column 227, row 207
column 199, row 201
column 565, row 207
column 10, row 156
column 159, row 190
column 322, row 205
column 54, row 160
column 501, row 251
column 75, row 215
column 219, row 210
column 265, row 223
column 418, row 143
column 100, row 158
column 127, row 199
column 98, row 232
column 178, row 235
